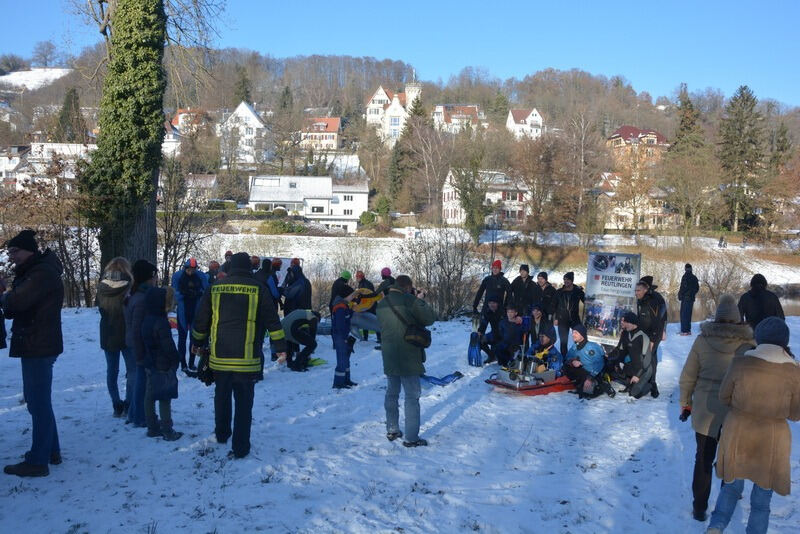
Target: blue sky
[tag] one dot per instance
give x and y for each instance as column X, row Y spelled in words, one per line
column 706, row 43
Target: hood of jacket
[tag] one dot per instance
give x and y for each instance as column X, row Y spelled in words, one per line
column 155, row 301
column 771, row 353
column 726, row 337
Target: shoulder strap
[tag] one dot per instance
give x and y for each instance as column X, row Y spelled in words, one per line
column 394, row 310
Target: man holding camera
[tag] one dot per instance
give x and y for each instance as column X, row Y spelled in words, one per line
column 403, row 362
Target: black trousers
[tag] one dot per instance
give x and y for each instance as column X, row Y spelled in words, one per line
column 242, row 387
column 563, row 336
column 577, row 374
column 654, row 360
column 703, row 466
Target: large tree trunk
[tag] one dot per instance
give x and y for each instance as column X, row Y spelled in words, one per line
column 134, row 238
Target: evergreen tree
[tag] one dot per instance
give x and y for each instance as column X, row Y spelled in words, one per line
column 395, row 176
column 70, row 126
column 781, row 150
column 690, row 134
column 241, row 91
column 741, row 151
column 499, row 108
column 122, row 177
column 286, row 101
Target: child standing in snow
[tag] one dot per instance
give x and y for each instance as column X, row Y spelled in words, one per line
column 161, row 363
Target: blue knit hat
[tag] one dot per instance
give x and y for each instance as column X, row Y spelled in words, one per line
column 772, row 331
column 548, row 331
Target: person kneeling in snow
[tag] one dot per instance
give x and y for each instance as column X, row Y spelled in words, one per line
column 300, row 327
column 342, row 340
column 502, row 344
column 633, row 354
column 544, row 351
column 584, row 365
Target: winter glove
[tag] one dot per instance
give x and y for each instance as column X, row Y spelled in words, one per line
column 685, row 413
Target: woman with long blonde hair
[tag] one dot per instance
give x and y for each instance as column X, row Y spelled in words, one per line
column 112, row 291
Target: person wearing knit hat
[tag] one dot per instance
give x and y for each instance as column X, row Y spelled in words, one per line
column 718, row 343
column 759, row 303
column 226, row 265
column 144, row 277
column 524, row 292
column 686, row 295
column 546, row 295
column 143, row 271
column 567, row 302
column 189, row 285
column 652, row 310
column 495, row 286
column 34, row 303
column 762, row 389
column 295, row 261
column 584, row 363
column 341, row 287
column 633, row 356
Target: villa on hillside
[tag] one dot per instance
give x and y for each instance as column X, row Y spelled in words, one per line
column 388, row 111
column 525, row 123
column 315, row 198
column 507, row 198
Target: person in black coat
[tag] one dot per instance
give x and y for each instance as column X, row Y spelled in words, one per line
column 363, row 283
column 297, row 294
column 652, row 313
column 161, row 363
column 633, row 358
column 566, row 312
column 495, row 286
column 491, row 315
column 2, row 318
column 759, row 303
column 547, row 294
column 686, row 294
column 34, row 304
column 340, row 288
column 524, row 291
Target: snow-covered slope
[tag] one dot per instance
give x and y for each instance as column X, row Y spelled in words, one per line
column 320, row 462
column 34, row 78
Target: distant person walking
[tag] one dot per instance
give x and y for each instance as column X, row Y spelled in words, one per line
column 403, row 363
column 759, row 303
column 708, row 361
column 762, row 389
column 686, row 295
column 34, row 304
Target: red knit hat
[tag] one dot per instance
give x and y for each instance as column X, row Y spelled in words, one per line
column 497, row 263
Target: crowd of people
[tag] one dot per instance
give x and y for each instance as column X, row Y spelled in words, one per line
column 739, row 385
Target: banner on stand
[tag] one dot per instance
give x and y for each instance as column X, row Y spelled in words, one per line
column 610, row 292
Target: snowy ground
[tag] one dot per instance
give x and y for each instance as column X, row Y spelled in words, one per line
column 497, row 462
column 33, row 78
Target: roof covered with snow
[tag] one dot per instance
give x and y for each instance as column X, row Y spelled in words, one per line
column 277, row 188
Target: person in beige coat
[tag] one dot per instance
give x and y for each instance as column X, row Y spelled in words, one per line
column 706, row 365
column 762, row 388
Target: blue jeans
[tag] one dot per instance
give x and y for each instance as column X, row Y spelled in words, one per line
column 37, row 385
column 411, row 387
column 112, row 373
column 729, row 496
column 686, row 315
column 136, row 409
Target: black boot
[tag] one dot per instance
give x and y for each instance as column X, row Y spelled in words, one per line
column 24, row 469
column 119, row 407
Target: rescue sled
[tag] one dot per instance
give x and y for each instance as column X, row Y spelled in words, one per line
column 521, row 376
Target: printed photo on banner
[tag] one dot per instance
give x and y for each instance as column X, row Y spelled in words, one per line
column 610, row 292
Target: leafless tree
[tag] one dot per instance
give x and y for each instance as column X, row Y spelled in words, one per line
column 432, row 150
column 44, row 54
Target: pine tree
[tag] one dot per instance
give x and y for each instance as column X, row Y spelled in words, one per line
column 690, row 133
column 122, row 177
column 499, row 108
column 395, row 176
column 741, row 151
column 781, row 150
column 241, row 91
column 70, row 126
column 286, row 102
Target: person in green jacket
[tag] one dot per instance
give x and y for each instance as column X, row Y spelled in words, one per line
column 402, row 361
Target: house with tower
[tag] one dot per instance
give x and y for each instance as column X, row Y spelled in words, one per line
column 388, row 111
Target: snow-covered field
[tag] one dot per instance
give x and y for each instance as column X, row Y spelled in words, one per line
column 497, row 462
column 34, row 78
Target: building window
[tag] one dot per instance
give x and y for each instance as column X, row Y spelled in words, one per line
column 348, row 212
column 348, row 198
column 395, row 133
column 317, row 209
column 248, row 142
column 394, row 121
column 292, row 185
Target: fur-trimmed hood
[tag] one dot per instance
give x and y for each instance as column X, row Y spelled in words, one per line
column 720, row 336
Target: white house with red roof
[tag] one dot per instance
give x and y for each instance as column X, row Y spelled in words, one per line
column 453, row 118
column 525, row 123
column 388, row 111
column 322, row 133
